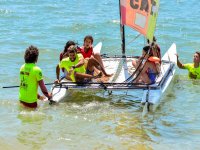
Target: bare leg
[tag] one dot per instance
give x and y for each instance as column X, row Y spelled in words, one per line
column 82, row 76
column 94, row 63
column 143, row 76
column 96, row 71
column 97, row 56
column 135, row 63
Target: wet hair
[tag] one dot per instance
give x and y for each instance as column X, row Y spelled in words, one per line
column 31, row 54
column 146, row 49
column 197, row 52
column 72, row 49
column 154, row 39
column 88, row 37
column 148, row 41
column 67, row 45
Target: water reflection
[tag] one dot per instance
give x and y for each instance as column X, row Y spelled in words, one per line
column 32, row 132
column 127, row 128
column 112, row 122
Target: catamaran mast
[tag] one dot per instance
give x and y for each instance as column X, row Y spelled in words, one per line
column 122, row 32
column 123, row 39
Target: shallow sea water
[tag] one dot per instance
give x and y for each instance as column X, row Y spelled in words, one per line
column 86, row 121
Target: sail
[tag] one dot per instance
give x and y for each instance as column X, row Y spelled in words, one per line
column 140, row 15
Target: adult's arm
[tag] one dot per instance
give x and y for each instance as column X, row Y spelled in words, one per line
column 80, row 63
column 61, row 56
column 44, row 89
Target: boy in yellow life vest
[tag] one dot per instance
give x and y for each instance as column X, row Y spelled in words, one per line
column 193, row 68
column 30, row 78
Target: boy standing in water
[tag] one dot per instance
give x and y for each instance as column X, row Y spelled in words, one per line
column 193, row 68
column 30, row 77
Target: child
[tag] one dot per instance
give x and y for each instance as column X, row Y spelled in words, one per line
column 193, row 68
column 148, row 69
column 87, row 51
column 30, row 78
column 67, row 45
column 155, row 49
column 74, row 65
column 64, row 54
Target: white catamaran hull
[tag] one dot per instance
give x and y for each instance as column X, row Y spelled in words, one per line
column 123, row 69
column 58, row 92
column 153, row 96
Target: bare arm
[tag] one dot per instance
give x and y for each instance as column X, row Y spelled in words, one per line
column 157, row 67
column 80, row 63
column 57, row 72
column 44, row 89
column 179, row 64
column 139, row 61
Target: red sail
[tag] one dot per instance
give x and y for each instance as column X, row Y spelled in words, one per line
column 139, row 15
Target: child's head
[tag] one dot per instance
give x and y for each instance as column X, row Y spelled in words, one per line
column 72, row 52
column 196, row 57
column 88, row 41
column 68, row 44
column 31, row 54
column 154, row 39
column 153, row 42
column 145, row 50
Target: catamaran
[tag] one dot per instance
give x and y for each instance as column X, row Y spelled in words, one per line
column 141, row 16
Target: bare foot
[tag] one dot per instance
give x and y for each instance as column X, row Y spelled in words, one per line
column 109, row 75
column 105, row 79
column 99, row 75
column 42, row 98
column 56, row 81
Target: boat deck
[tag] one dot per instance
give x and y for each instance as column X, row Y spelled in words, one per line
column 122, row 69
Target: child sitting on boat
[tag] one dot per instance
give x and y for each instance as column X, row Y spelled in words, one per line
column 76, row 70
column 148, row 67
column 64, row 54
column 154, row 48
column 87, row 49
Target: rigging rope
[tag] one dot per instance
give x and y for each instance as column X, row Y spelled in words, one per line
column 128, row 42
column 138, row 67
